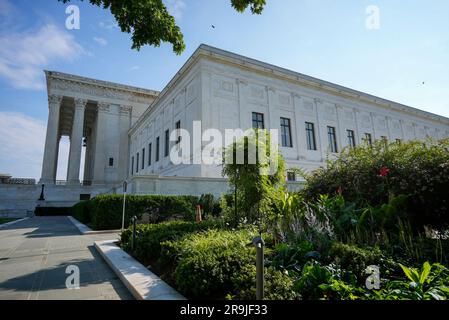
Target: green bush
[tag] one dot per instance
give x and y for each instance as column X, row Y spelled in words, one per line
column 105, row 211
column 371, row 175
column 207, row 262
column 150, row 236
column 355, row 259
column 82, row 211
column 278, row 285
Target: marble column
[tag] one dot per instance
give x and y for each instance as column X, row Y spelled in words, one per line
column 99, row 164
column 73, row 172
column 50, row 160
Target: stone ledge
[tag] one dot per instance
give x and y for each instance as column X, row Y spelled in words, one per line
column 141, row 282
column 85, row 230
column 4, row 225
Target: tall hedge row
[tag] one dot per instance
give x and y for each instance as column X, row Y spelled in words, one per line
column 105, row 212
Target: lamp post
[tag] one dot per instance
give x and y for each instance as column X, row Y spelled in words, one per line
column 259, row 244
column 125, row 186
column 42, row 198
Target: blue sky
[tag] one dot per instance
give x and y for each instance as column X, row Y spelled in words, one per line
column 326, row 39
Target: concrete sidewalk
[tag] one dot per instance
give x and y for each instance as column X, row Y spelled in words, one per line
column 34, row 255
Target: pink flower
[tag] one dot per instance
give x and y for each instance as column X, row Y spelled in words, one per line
column 384, row 171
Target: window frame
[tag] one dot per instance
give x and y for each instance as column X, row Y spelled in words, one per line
column 288, row 134
column 310, row 133
column 332, row 139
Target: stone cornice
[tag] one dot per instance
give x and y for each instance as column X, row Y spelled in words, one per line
column 331, row 88
column 97, row 88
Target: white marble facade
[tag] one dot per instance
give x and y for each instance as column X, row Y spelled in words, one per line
column 222, row 90
column 118, row 123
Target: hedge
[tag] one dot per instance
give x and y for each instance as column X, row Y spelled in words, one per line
column 105, row 212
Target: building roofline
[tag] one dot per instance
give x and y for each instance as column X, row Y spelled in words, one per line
column 315, row 82
column 102, row 83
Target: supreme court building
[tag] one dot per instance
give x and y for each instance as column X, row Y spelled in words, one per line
column 126, row 130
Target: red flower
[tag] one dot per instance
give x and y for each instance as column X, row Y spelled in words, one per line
column 384, row 171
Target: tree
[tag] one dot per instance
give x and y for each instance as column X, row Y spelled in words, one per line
column 150, row 23
column 256, row 188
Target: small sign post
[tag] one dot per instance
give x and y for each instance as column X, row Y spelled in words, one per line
column 125, row 186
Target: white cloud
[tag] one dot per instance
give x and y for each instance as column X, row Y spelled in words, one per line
column 101, row 41
column 24, row 55
column 176, row 8
column 133, row 68
column 22, row 141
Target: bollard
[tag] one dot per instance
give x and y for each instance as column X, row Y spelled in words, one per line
column 134, row 221
column 259, row 244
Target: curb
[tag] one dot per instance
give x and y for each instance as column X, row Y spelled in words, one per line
column 85, row 230
column 141, row 282
column 12, row 222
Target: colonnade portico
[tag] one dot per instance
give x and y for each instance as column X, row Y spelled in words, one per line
column 69, row 121
column 97, row 115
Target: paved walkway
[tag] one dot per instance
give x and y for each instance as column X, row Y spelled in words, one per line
column 34, row 255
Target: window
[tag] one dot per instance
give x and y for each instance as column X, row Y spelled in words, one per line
column 258, row 122
column 143, row 158
column 178, row 132
column 111, row 162
column 332, row 137
column 291, row 176
column 132, row 165
column 149, row 154
column 310, row 135
column 157, row 149
column 384, row 139
column 167, row 143
column 351, row 138
column 286, row 133
column 368, row 139
column 137, row 162
column 398, row 141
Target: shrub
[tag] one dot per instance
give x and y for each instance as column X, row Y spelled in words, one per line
column 82, row 211
column 355, row 259
column 150, row 236
column 105, row 211
column 372, row 175
column 278, row 285
column 206, row 262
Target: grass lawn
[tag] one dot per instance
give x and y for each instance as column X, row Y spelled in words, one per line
column 6, row 220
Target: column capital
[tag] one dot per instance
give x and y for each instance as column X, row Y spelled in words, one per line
column 103, row 106
column 270, row 89
column 125, row 109
column 80, row 103
column 318, row 100
column 54, row 99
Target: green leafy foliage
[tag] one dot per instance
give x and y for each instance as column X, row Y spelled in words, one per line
column 429, row 283
column 206, row 263
column 257, row 184
column 150, row 236
column 150, row 23
column 419, row 170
